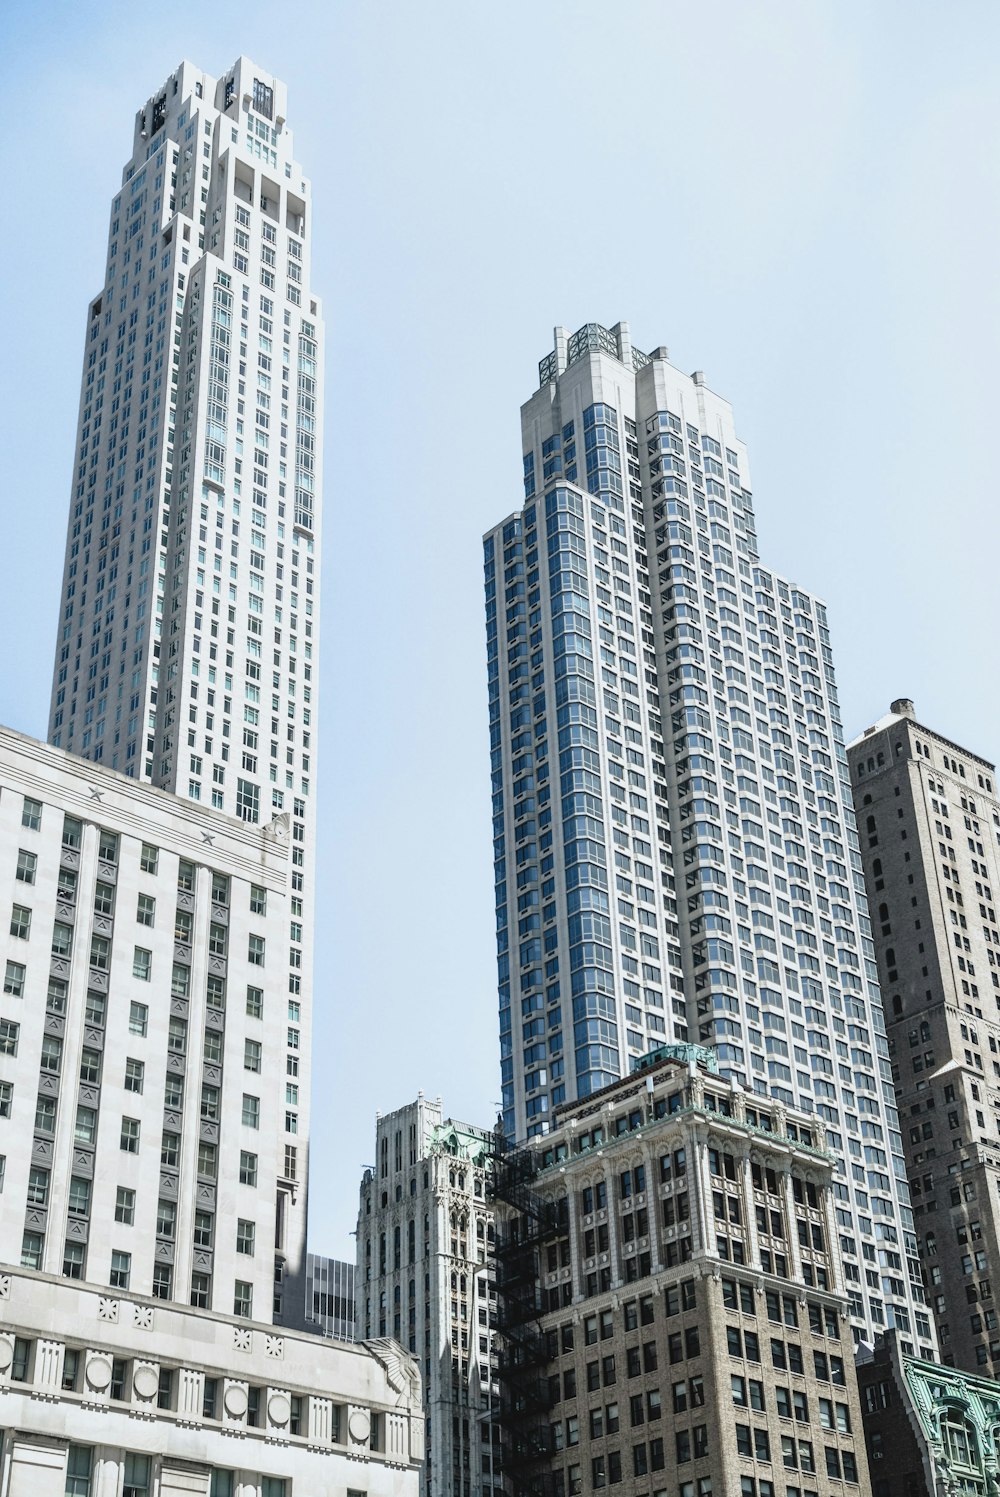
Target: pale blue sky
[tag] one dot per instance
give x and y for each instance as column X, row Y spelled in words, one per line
column 799, row 198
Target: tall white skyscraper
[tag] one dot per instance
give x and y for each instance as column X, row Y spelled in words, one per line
column 188, row 631
column 675, row 844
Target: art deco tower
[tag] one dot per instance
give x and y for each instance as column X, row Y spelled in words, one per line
column 188, row 631
column 675, row 844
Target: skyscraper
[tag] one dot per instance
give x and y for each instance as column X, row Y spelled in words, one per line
column 929, row 820
column 676, row 853
column 188, row 629
column 156, row 965
column 425, row 1277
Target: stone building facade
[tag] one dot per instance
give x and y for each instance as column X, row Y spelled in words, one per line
column 929, row 820
column 425, row 1276
column 672, row 1306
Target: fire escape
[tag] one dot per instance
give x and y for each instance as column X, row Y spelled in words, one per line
column 526, row 1225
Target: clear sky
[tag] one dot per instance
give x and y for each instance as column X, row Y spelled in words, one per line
column 800, row 198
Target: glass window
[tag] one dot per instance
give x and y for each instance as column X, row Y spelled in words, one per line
column 243, row 1299
column 255, row 1002
column 31, row 1250
column 86, row 1125
column 8, row 1037
column 258, row 900
column 13, row 979
column 20, row 922
column 74, row 1260
column 146, row 909
column 27, row 863
column 137, row 1475
column 121, row 1269
column 142, row 963
column 31, row 814
column 135, row 1072
column 251, row 1111
column 78, row 1468
column 125, row 1206
column 251, row 1055
column 137, row 1018
column 149, row 858
column 130, row 1135
column 245, row 1234
column 248, row 1168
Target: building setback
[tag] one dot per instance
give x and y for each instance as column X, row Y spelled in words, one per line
column 189, row 618
column 674, row 838
column 424, row 1277
column 673, row 1316
column 929, row 820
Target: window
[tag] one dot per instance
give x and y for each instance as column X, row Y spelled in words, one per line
column 258, row 900
column 79, row 1196
column 210, row 1103
column 138, row 1017
column 185, row 877
column 96, row 1007
column 31, row 1250
column 125, row 1206
column 251, row 1055
column 107, row 847
column 72, row 1364
column 72, row 834
column 78, row 1466
column 255, row 952
column 243, row 1299
column 134, row 1075
column 203, row 1229
column 119, row 1378
column 149, row 858
column 129, row 1139
column 8, row 1037
column 55, row 998
column 248, row 1168
column 31, row 814
column 74, row 1259
column 137, row 1475
column 6, row 1094
column 45, row 1115
column 245, row 1232
column 255, row 1002
column 104, row 898
column 20, row 922
column 220, row 888
column 208, row 1161
column 38, row 1187
column 146, row 909
column 100, row 950
column 27, row 863
column 209, row 1405
column 170, row 1149
column 162, row 1280
column 13, row 979
column 121, row 1269
column 62, row 939
column 90, row 1066
column 142, row 963
column 215, row 990
column 201, row 1289
column 251, row 1111
column 86, row 1125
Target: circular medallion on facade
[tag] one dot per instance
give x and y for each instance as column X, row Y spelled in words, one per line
column 235, row 1401
column 145, row 1381
column 98, row 1373
column 360, row 1425
column 279, row 1409
column 6, row 1354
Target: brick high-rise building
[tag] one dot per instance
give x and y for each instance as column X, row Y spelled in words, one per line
column 929, row 822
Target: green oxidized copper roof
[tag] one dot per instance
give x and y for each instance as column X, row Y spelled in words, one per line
column 936, row 1390
column 702, row 1055
column 462, row 1140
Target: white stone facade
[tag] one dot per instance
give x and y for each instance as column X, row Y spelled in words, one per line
column 104, row 1394
column 425, row 1277
column 144, row 1025
column 189, row 622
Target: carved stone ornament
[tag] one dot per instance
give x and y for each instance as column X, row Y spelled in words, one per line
column 236, row 1401
column 279, row 1409
column 360, row 1426
column 99, row 1373
column 6, row 1354
column 145, row 1381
